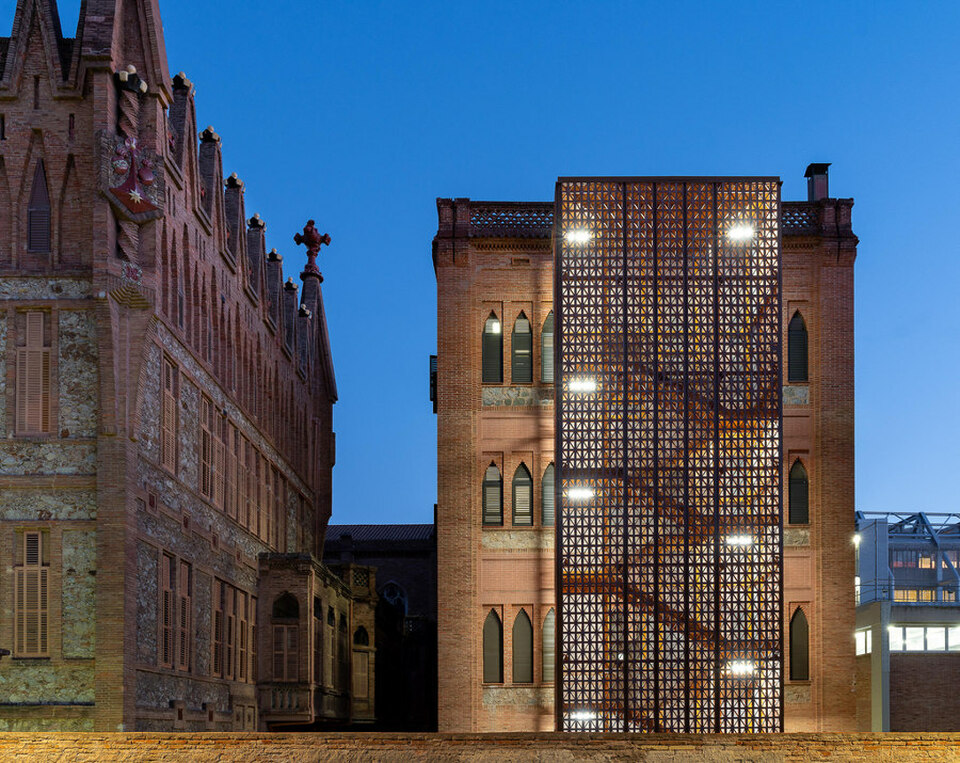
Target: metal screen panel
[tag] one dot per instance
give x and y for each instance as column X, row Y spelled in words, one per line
column 668, row 454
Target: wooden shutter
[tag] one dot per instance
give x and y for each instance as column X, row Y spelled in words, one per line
column 549, row 640
column 219, row 461
column 254, row 666
column 218, row 601
column 168, row 414
column 242, row 635
column 279, row 653
column 799, row 647
column 33, row 379
column 30, row 598
column 38, row 213
column 492, row 649
column 361, row 675
column 167, row 574
column 799, row 508
column 547, row 502
column 206, row 448
column 492, row 351
column 492, row 497
column 797, row 349
column 184, row 616
column 522, row 497
column 521, row 365
column 230, row 637
column 546, row 350
column 331, row 647
column 293, row 653
column 522, row 649
column 231, row 446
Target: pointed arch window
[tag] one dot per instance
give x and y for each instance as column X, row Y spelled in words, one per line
column 547, row 503
column 492, row 496
column 361, row 637
column 522, row 649
column 546, row 350
column 799, row 647
column 522, row 497
column 521, row 342
column 549, row 639
column 38, row 212
column 797, row 349
column 492, row 351
column 492, row 649
column 799, row 506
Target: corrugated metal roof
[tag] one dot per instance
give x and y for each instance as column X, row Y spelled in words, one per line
column 361, row 533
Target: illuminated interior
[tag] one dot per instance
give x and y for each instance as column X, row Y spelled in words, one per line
column 668, row 454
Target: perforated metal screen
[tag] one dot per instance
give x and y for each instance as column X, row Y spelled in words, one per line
column 668, row 454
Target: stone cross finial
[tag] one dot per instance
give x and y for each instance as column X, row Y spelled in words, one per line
column 312, row 239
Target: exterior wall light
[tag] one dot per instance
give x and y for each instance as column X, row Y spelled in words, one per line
column 580, row 493
column 583, row 715
column 856, row 540
column 583, row 385
column 739, row 540
column 578, row 237
column 740, row 232
column 741, row 668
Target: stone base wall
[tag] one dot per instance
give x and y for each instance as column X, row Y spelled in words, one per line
column 679, row 748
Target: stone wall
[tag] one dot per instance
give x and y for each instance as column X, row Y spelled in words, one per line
column 502, row 748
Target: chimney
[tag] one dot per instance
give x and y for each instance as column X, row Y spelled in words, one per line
column 817, row 181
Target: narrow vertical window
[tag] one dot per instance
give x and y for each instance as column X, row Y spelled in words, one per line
column 799, row 647
column 549, row 639
column 547, row 486
column 230, row 634
column 799, row 512
column 797, row 349
column 331, row 647
column 36, row 91
column 219, row 458
column 168, row 575
column 546, row 350
column 492, row 496
column 522, row 497
column 71, row 126
column 521, row 362
column 207, row 426
column 218, row 603
column 361, row 675
column 522, row 649
column 286, row 638
column 343, row 654
column 230, row 479
column 184, row 616
column 254, row 665
column 492, row 351
column 33, row 378
column 492, row 649
column 168, row 414
column 242, row 635
column 38, row 212
column 3, row 127
column 30, row 594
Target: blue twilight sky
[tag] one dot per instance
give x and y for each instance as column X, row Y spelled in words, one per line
column 361, row 113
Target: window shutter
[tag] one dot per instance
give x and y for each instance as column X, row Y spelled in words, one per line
column 361, row 663
column 521, row 366
column 797, row 349
column 218, row 628
column 492, row 497
column 492, row 351
column 166, row 611
column 38, row 213
column 168, row 414
column 522, row 649
column 242, row 634
column 522, row 497
column 293, row 653
column 231, row 633
column 799, row 647
column 799, row 509
column 549, row 636
column 185, row 611
column 546, row 351
column 492, row 649
column 33, row 379
column 279, row 661
column 219, row 476
column 547, row 497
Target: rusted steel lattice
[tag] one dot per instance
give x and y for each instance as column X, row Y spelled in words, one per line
column 668, row 451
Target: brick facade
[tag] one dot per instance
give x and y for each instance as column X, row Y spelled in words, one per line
column 497, row 258
column 189, row 411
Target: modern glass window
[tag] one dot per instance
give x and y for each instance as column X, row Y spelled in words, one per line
column 492, row 496
column 797, row 349
column 521, row 363
column 492, row 649
column 549, row 636
column 522, row 497
column 863, row 639
column 547, row 486
column 546, row 350
column 522, row 649
column 492, row 351
column 919, row 638
column 799, row 511
column 799, row 647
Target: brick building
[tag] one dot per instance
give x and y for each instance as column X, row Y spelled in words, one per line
column 167, row 444
column 495, row 482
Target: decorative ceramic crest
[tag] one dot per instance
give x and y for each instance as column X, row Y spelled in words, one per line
column 130, row 178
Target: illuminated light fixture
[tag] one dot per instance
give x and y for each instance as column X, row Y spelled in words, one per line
column 856, row 540
column 741, row 668
column 583, row 385
column 580, row 493
column 739, row 540
column 583, row 715
column 740, row 232
column 578, row 237
column 495, row 327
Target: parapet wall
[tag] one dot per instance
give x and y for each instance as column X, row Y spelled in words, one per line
column 680, row 748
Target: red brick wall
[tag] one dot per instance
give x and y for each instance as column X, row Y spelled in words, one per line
column 923, row 692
